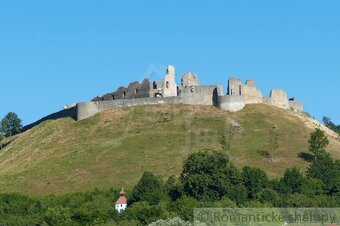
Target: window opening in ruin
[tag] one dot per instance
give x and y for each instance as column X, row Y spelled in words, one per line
column 240, row 90
column 136, row 91
column 167, row 85
column 124, row 94
column 192, row 89
column 113, row 97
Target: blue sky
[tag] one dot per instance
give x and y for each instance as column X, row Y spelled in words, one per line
column 57, row 52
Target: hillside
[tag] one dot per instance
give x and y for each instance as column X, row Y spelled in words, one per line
column 113, row 148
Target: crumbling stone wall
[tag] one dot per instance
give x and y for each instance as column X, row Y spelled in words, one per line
column 251, row 93
column 295, row 105
column 235, row 87
column 190, row 92
column 189, row 79
column 201, row 95
column 278, row 98
column 134, row 90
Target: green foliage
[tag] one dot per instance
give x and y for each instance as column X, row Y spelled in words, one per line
column 328, row 123
column 173, row 188
column 254, row 180
column 292, row 181
column 208, row 175
column 184, row 207
column 298, row 201
column 327, row 170
column 58, row 216
column 171, row 222
column 318, row 142
column 10, row 124
column 144, row 213
column 149, row 188
column 268, row 195
column 323, row 167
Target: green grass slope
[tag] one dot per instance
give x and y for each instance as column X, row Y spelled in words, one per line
column 114, row 148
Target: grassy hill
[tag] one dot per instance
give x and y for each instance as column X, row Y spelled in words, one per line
column 114, row 148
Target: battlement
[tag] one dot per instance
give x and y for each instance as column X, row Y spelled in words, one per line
column 190, row 91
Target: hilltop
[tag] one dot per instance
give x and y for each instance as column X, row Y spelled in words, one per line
column 114, row 147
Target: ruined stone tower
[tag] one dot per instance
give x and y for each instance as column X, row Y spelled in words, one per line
column 170, row 87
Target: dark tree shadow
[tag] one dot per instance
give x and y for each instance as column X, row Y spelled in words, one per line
column 308, row 157
column 263, row 153
column 3, row 145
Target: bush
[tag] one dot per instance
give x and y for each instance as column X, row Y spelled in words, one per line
column 150, row 189
column 171, row 222
column 208, row 176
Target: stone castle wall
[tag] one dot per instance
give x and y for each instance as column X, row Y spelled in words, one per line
column 295, row 105
column 231, row 103
column 133, row 91
column 189, row 79
column 278, row 98
column 251, row 93
column 207, row 95
column 190, row 92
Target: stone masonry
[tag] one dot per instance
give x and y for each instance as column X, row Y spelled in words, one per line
column 190, row 91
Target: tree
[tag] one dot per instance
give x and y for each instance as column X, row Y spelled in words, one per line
column 184, row 207
column 208, row 176
column 254, row 180
column 10, row 124
column 328, row 123
column 149, row 188
column 327, row 170
column 318, row 142
column 173, row 188
column 268, row 195
column 292, row 181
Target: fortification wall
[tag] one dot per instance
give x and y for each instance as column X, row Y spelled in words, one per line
column 231, row 103
column 201, row 95
column 251, row 93
column 87, row 109
column 134, row 90
column 278, row 98
column 207, row 95
column 295, row 105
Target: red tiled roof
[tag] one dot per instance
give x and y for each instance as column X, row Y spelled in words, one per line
column 122, row 200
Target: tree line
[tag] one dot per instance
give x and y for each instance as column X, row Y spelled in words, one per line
column 328, row 123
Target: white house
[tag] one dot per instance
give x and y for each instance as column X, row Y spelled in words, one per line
column 121, row 203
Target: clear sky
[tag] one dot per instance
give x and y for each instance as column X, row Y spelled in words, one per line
column 57, row 52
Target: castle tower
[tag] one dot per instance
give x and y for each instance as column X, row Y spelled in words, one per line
column 121, row 203
column 235, row 87
column 252, row 94
column 170, row 86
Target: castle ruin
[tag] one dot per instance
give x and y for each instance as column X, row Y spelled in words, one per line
column 190, row 91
